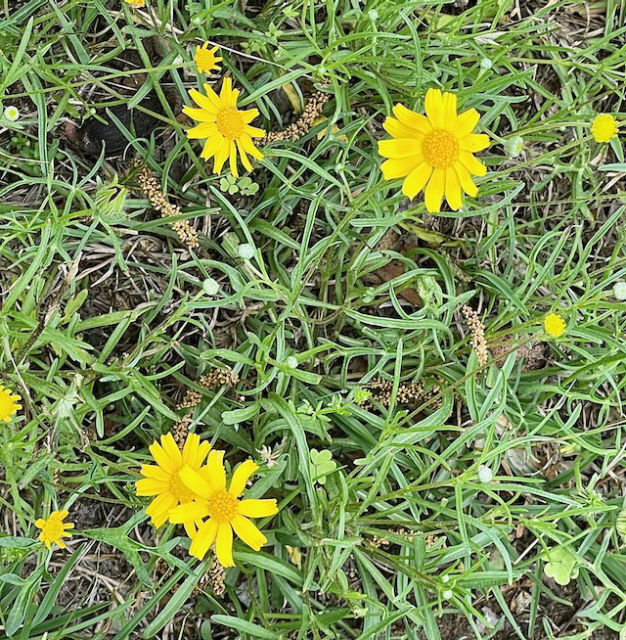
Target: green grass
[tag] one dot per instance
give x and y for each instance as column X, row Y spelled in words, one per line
column 104, row 324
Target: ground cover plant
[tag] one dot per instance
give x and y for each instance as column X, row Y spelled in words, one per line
column 311, row 319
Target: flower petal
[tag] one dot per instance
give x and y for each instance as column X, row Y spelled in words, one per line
column 249, row 115
column 217, row 473
column 400, row 147
column 474, row 142
column 171, row 449
column 254, row 132
column 188, row 512
column 465, row 180
column 151, row 487
column 154, row 472
column 248, row 532
column 204, row 539
column 221, row 155
column 195, row 482
column 162, row 459
column 202, row 115
column 159, row 508
column 454, row 195
column 412, row 119
column 398, row 129
column 466, row 122
column 211, row 146
column 400, row 167
column 244, row 158
column 416, row 180
column 449, row 111
column 192, row 443
column 240, row 477
column 435, row 190
column 472, row 164
column 224, row 545
column 248, row 145
column 233, row 159
column 433, row 105
column 258, row 508
column 210, row 103
column 202, row 131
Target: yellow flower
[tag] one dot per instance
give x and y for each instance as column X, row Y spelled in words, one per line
column 136, row 3
column 163, row 480
column 554, row 325
column 9, row 404
column 226, row 129
column 604, row 127
column 205, row 59
column 434, row 152
column 225, row 511
column 54, row 529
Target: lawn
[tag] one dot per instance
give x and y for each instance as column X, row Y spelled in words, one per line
column 312, row 319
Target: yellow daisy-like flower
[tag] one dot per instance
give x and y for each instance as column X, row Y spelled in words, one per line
column 53, row 530
column 604, row 127
column 554, row 325
column 225, row 511
column 164, row 481
column 434, row 152
column 138, row 4
column 205, row 58
column 226, row 128
column 9, row 404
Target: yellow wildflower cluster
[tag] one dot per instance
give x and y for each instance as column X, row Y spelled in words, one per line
column 225, row 128
column 188, row 491
column 434, row 152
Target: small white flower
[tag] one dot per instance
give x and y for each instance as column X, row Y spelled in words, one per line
column 11, row 113
column 445, row 579
column 619, row 290
column 210, row 287
column 486, row 64
column 484, row 474
column 373, row 14
column 246, row 251
column 447, row 594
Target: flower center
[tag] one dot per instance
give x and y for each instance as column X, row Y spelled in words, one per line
column 440, row 148
column 180, row 490
column 204, row 58
column 223, row 506
column 53, row 530
column 230, row 123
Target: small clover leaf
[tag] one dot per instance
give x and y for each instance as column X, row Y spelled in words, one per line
column 323, row 465
column 561, row 565
column 229, row 184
